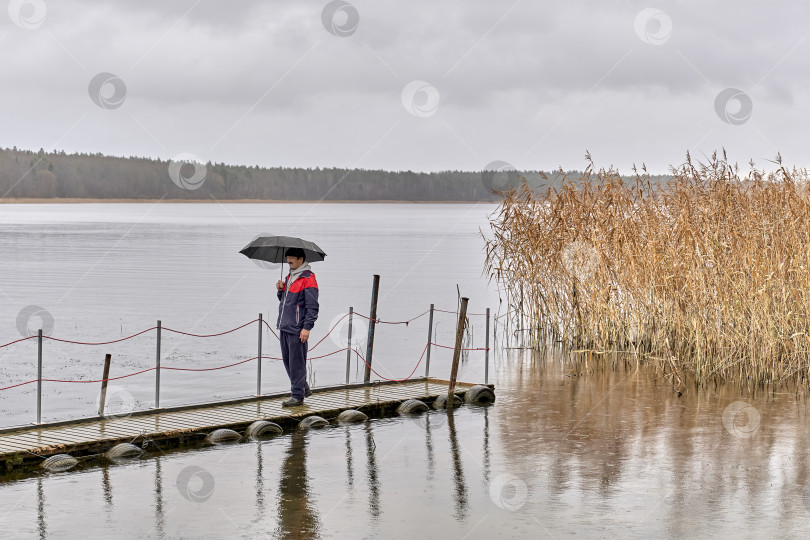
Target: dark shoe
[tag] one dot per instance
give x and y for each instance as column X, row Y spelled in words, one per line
column 292, row 402
column 308, row 393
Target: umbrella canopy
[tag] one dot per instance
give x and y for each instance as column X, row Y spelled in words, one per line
column 272, row 248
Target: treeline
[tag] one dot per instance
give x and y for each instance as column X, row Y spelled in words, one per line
column 28, row 174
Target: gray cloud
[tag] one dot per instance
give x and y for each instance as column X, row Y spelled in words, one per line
column 534, row 84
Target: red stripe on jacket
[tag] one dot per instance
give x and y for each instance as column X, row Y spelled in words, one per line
column 303, row 283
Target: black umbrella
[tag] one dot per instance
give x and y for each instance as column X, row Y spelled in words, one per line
column 272, row 249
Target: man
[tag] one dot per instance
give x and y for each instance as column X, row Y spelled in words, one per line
column 297, row 314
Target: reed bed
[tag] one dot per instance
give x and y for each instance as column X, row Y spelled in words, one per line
column 707, row 275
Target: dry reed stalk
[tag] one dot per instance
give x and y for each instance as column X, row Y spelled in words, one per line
column 711, row 269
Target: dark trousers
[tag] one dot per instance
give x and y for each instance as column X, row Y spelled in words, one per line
column 294, row 354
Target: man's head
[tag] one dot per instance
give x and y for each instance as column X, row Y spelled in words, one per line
column 295, row 258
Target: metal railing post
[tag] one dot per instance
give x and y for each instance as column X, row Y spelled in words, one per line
column 430, row 340
column 349, row 350
column 157, row 367
column 486, row 353
column 259, row 364
column 39, row 376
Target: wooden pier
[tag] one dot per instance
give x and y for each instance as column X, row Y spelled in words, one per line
column 170, row 427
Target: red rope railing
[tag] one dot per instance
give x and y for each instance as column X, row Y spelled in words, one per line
column 210, row 335
column 19, row 384
column 380, row 321
column 446, row 347
column 386, row 378
column 93, row 343
column 100, row 342
column 456, row 312
column 271, row 330
column 329, row 354
column 234, row 363
column 16, row 341
column 329, row 332
column 209, row 369
column 102, row 380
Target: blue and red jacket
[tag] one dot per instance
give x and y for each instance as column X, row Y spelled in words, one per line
column 299, row 304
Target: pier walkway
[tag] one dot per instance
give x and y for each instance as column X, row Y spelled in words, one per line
column 25, row 445
column 183, row 425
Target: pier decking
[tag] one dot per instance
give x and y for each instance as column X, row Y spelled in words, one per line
column 180, row 425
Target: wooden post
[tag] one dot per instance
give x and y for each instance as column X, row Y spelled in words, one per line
column 259, row 365
column 462, row 316
column 103, row 396
column 157, row 368
column 375, row 289
column 349, row 345
column 486, row 353
column 430, row 339
column 39, row 377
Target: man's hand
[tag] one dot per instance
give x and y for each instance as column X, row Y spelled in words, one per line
column 304, row 335
column 280, row 285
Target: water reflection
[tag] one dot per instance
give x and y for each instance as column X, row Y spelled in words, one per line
column 43, row 530
column 373, row 475
column 349, row 462
column 260, row 504
column 486, row 463
column 429, row 447
column 159, row 515
column 297, row 516
column 583, row 448
column 106, row 487
column 609, row 430
column 460, row 492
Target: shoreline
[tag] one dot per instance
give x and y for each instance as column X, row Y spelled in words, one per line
column 225, row 201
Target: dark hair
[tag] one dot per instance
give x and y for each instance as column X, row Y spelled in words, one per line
column 296, row 252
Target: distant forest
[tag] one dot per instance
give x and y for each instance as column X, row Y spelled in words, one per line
column 28, row 174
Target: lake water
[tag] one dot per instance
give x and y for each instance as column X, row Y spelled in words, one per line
column 569, row 449
column 103, row 272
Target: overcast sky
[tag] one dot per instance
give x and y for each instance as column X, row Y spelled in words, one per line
column 420, row 85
